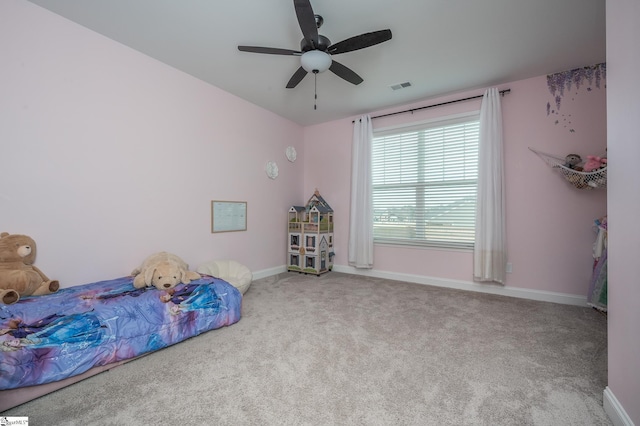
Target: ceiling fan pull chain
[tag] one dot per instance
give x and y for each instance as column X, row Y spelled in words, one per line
column 315, row 89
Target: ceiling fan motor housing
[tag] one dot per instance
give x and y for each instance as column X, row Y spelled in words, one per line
column 323, row 44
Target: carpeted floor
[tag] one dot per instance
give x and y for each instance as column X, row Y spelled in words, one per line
column 342, row 349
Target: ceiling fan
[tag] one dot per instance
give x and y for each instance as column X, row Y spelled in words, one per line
column 316, row 50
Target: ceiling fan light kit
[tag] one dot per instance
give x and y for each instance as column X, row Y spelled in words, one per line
column 316, row 50
column 315, row 61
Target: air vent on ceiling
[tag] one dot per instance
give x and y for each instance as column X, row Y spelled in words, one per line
column 401, row 85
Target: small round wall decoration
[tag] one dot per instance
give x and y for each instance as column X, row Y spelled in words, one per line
column 272, row 169
column 291, row 154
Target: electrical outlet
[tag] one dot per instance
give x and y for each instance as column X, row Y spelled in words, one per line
column 509, row 268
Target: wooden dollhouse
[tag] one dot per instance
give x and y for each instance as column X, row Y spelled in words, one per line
column 310, row 240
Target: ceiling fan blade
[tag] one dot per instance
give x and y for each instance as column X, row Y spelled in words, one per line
column 269, row 50
column 360, row 42
column 307, row 21
column 296, row 78
column 343, row 72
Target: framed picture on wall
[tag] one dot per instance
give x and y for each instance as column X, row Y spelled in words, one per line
column 228, row 216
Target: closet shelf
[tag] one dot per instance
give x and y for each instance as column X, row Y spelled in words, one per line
column 579, row 179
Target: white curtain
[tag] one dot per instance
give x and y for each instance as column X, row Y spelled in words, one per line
column 361, row 215
column 489, row 261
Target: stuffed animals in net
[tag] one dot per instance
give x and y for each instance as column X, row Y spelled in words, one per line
column 164, row 271
column 18, row 276
column 594, row 163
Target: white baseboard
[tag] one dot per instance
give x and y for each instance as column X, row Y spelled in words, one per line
column 522, row 293
column 614, row 409
column 269, row 272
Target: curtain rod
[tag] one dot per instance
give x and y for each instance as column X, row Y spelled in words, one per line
column 502, row 92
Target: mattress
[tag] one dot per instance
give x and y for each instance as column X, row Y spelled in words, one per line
column 44, row 339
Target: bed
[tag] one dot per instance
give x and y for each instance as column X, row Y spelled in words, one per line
column 47, row 342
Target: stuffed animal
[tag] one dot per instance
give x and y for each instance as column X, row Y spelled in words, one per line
column 594, row 163
column 572, row 160
column 577, row 180
column 164, row 271
column 18, row 276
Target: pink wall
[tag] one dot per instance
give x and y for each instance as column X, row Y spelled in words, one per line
column 549, row 222
column 623, row 108
column 109, row 156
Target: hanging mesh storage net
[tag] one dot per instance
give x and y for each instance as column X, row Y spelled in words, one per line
column 579, row 179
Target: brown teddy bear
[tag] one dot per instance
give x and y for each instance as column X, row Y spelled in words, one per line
column 18, row 276
column 164, row 271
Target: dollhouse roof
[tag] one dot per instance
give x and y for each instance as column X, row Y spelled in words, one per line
column 322, row 209
column 319, row 203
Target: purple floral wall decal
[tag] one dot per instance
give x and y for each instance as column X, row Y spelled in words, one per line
column 563, row 82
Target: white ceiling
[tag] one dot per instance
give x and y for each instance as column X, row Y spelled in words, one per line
column 440, row 46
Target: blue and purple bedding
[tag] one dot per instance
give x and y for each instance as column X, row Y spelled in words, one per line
column 49, row 338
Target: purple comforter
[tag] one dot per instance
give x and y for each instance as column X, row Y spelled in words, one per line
column 49, row 338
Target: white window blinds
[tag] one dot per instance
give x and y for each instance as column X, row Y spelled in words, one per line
column 424, row 182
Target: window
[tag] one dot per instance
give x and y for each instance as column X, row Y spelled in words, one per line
column 311, row 262
column 424, row 180
column 311, row 241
